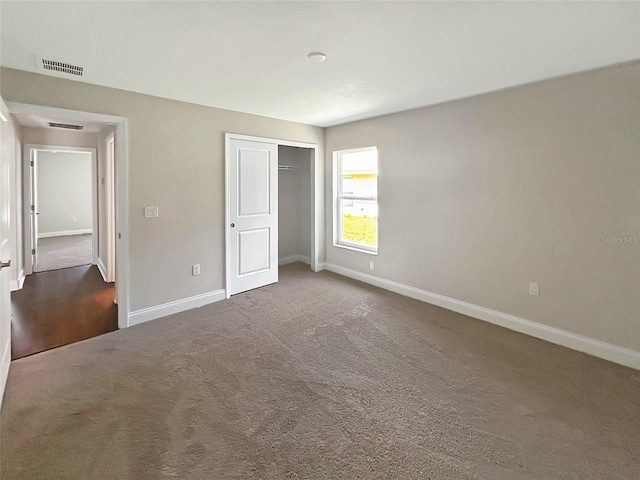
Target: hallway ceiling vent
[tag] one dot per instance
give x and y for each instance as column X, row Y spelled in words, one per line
column 62, row 67
column 68, row 126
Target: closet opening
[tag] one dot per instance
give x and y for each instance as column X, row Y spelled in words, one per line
column 273, row 211
column 295, row 204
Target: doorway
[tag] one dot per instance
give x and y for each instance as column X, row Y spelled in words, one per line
column 118, row 127
column 65, row 289
column 294, row 204
column 63, row 207
column 65, row 296
column 252, row 216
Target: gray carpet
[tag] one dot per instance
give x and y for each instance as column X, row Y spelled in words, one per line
column 64, row 252
column 319, row 377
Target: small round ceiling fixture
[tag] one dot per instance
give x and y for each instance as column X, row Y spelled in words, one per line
column 317, row 57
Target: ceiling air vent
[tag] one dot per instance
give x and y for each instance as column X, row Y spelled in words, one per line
column 66, row 125
column 62, row 67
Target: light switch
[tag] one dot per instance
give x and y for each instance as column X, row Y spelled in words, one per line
column 150, row 212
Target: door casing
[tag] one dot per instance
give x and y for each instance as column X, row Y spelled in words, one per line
column 110, row 200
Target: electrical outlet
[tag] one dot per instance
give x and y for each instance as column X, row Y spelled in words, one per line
column 372, row 265
column 195, row 269
column 533, row 289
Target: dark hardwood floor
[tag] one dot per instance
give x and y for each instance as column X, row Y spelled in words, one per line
column 60, row 307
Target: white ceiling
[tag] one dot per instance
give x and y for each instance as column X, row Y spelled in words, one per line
column 42, row 121
column 382, row 56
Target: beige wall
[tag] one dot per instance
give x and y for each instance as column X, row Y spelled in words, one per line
column 66, row 138
column 65, row 192
column 176, row 161
column 480, row 196
column 294, row 202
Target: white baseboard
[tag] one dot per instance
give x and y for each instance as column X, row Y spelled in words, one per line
column 64, row 233
column 607, row 351
column 151, row 313
column 102, row 268
column 15, row 285
column 294, row 258
column 4, row 368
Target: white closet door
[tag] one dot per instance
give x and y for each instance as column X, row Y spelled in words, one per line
column 252, row 229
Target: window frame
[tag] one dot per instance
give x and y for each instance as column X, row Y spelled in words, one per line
column 339, row 196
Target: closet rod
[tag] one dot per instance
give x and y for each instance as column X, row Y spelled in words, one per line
column 286, row 167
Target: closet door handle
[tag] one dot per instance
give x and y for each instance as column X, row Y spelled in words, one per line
column 5, row 264
column 233, row 225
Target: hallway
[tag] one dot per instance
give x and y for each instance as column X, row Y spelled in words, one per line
column 60, row 307
column 65, row 251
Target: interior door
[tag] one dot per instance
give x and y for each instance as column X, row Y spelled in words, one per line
column 6, row 151
column 34, row 209
column 252, row 205
column 110, row 199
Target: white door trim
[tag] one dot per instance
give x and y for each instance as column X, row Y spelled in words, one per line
column 109, row 189
column 122, row 189
column 27, row 152
column 316, row 194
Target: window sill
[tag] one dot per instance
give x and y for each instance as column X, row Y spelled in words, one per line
column 355, row 249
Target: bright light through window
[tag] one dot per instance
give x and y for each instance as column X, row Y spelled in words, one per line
column 356, row 208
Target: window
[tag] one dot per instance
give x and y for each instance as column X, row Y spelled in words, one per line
column 356, row 207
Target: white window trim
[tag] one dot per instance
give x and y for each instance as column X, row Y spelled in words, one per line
column 337, row 196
